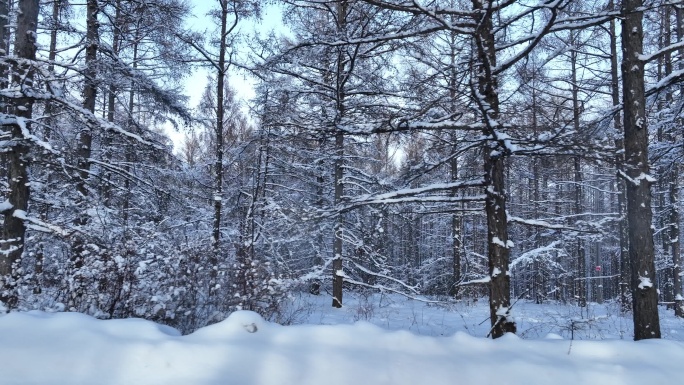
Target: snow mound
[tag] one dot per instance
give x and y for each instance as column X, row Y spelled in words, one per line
column 237, row 323
column 38, row 348
column 553, row 336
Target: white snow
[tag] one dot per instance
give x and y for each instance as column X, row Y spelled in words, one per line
column 508, row 245
column 637, row 181
column 498, row 242
column 72, row 349
column 5, row 205
column 645, row 282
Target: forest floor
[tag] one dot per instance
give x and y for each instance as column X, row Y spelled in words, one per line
column 374, row 340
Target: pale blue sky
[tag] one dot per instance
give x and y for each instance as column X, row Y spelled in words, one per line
column 243, row 84
column 195, row 85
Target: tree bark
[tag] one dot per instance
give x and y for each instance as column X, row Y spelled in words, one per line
column 456, row 218
column 639, row 216
column 218, row 150
column 85, row 136
column 14, row 229
column 625, row 270
column 337, row 266
column 456, row 242
column 674, row 242
column 675, row 234
column 581, row 253
column 52, row 55
column 4, row 41
column 494, row 154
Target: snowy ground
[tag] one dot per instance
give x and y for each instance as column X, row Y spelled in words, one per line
column 596, row 321
column 410, row 343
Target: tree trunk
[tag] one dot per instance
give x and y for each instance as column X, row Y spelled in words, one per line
column 495, row 200
column 456, row 236
column 639, row 216
column 4, row 43
column 675, row 235
column 674, row 242
column 218, row 150
column 52, row 56
column 117, row 27
column 581, row 279
column 625, row 270
column 456, row 218
column 337, row 267
column 664, row 171
column 132, row 128
column 337, row 240
column 14, row 229
column 85, row 136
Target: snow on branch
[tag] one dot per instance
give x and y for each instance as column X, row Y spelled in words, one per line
column 126, row 174
column 534, row 39
column 477, row 281
column 415, row 195
column 5, row 206
column 544, row 224
column 545, row 253
column 38, row 225
column 95, row 121
column 412, row 289
column 383, row 288
column 637, row 181
column 168, row 98
column 25, row 133
column 673, row 78
column 597, row 277
column 664, row 51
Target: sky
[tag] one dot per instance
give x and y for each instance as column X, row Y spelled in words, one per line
column 195, row 84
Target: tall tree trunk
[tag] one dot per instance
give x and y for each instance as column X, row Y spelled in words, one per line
column 85, row 136
column 456, row 218
column 47, row 133
column 4, row 68
column 665, row 172
column 456, row 238
column 487, row 96
column 4, row 43
column 625, row 267
column 581, row 278
column 117, row 27
column 337, row 267
column 116, row 39
column 674, row 241
column 14, row 229
column 315, row 286
column 537, row 285
column 84, row 150
column 131, row 127
column 52, row 55
column 675, row 234
column 639, row 216
column 218, row 150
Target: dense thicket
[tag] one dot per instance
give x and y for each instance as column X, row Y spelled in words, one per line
column 449, row 148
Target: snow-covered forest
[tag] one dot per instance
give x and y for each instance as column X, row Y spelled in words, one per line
column 445, row 151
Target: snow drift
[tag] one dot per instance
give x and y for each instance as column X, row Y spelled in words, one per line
column 70, row 348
